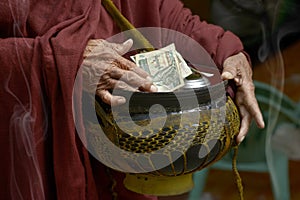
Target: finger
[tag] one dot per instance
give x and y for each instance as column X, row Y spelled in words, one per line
column 121, row 49
column 125, row 47
column 235, row 66
column 227, row 75
column 135, row 80
column 238, row 81
column 254, row 110
column 109, row 99
column 133, row 67
column 245, row 124
column 259, row 120
column 141, row 73
column 132, row 79
column 250, row 102
column 229, row 69
column 112, row 84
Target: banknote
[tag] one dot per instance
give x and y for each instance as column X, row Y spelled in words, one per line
column 184, row 68
column 163, row 66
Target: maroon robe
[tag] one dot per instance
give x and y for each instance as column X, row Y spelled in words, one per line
column 41, row 47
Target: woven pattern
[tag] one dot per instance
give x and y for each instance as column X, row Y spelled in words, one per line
column 212, row 137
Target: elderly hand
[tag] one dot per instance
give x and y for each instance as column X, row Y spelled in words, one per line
column 105, row 69
column 238, row 68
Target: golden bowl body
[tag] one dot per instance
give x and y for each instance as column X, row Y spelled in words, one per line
column 183, row 145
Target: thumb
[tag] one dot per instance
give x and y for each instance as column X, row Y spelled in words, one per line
column 229, row 69
column 125, row 47
column 227, row 75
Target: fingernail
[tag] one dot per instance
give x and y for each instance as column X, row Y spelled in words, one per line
column 153, row 88
column 121, row 100
column 263, row 124
column 241, row 140
column 227, row 75
column 148, row 78
column 128, row 41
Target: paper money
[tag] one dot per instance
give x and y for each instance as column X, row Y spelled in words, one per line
column 166, row 67
column 184, row 68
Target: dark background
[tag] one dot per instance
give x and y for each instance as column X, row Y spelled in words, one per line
column 264, row 26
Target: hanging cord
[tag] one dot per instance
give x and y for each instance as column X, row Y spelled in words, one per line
column 238, row 179
column 125, row 25
column 113, row 183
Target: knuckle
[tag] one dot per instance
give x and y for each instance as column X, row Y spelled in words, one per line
column 105, row 77
column 129, row 76
column 110, row 83
column 146, row 85
column 251, row 87
column 104, row 96
column 121, row 85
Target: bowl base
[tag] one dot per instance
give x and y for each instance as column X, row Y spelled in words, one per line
column 159, row 185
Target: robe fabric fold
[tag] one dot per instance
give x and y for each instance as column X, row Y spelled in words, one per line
column 41, row 47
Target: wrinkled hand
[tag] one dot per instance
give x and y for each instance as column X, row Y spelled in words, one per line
column 238, row 68
column 104, row 69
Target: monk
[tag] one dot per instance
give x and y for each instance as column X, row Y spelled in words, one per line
column 42, row 45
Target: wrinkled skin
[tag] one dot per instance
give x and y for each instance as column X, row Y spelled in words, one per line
column 238, row 68
column 104, row 68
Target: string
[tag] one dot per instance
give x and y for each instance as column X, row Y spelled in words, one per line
column 238, row 179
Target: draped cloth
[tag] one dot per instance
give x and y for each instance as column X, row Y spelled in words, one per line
column 41, row 47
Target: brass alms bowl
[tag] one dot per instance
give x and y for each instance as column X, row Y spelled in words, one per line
column 200, row 125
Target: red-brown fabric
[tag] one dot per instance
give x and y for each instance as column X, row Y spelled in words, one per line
column 41, row 46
